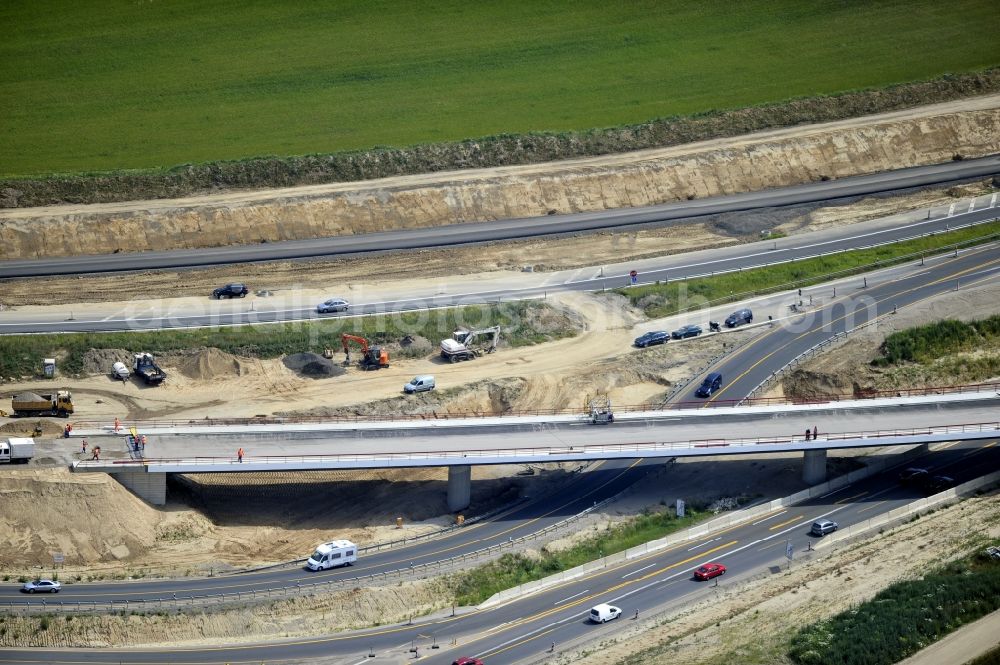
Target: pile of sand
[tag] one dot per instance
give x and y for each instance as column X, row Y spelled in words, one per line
column 311, row 365
column 209, row 363
column 26, row 427
column 100, row 361
column 87, row 517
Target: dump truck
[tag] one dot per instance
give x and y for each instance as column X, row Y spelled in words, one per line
column 59, row 404
column 468, row 344
column 145, row 366
column 16, row 450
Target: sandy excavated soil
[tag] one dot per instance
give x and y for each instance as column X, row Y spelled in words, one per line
column 923, row 135
column 847, row 369
column 105, row 531
column 750, row 622
column 549, row 254
column 557, row 375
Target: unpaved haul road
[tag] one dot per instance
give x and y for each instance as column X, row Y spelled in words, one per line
column 511, row 228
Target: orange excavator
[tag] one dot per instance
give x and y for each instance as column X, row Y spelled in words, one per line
column 373, row 357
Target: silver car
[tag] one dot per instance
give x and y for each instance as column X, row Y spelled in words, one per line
column 333, row 305
column 41, row 586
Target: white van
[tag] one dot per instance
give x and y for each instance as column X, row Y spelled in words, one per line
column 419, row 384
column 332, row 554
column 603, row 613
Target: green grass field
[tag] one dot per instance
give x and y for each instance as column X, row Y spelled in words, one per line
column 102, row 86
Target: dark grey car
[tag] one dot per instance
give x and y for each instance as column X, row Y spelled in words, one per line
column 686, row 331
column 739, row 317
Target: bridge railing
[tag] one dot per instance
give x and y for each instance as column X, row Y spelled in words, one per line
column 553, row 453
column 657, row 405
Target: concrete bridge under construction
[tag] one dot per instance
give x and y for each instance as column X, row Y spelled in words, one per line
column 460, row 444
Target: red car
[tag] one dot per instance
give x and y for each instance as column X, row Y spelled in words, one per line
column 709, row 570
column 465, row 660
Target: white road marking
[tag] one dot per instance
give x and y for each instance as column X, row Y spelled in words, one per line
column 778, row 514
column 575, row 595
column 707, row 542
column 638, row 571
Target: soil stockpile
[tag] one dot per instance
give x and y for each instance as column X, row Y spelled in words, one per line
column 88, row 517
column 312, row 365
column 100, row 361
column 209, row 363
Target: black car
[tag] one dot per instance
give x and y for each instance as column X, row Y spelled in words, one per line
column 711, row 384
column 913, row 476
column 686, row 331
column 231, row 291
column 651, row 338
column 739, row 317
column 937, row 484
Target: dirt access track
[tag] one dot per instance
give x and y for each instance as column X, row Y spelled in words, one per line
column 778, row 158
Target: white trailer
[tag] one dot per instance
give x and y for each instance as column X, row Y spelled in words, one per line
column 332, row 554
column 16, row 450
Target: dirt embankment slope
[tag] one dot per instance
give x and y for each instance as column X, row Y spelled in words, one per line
column 777, row 158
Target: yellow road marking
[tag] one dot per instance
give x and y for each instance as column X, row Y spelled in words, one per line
column 976, row 451
column 874, row 505
column 785, row 523
column 850, row 498
column 611, row 589
column 897, row 294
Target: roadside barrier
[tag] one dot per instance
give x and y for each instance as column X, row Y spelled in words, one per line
column 203, row 602
column 706, row 529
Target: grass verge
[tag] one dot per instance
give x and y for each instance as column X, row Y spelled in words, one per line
column 664, row 299
column 925, row 344
column 903, row 618
column 524, row 323
column 475, row 586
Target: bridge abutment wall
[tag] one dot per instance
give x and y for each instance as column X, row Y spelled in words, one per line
column 151, row 487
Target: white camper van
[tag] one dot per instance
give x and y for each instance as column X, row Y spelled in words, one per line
column 332, row 554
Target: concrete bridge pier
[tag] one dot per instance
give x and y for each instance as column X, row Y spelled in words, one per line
column 459, row 487
column 151, row 487
column 814, row 466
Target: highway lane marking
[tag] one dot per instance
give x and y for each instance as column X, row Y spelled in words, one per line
column 946, row 445
column 839, row 489
column 850, row 498
column 527, row 637
column 249, row 584
column 767, row 547
column 503, row 647
column 669, row 580
column 638, row 571
column 573, row 596
column 785, row 523
column 707, row 542
column 447, row 620
column 980, row 449
column 830, row 306
column 873, row 506
column 769, row 518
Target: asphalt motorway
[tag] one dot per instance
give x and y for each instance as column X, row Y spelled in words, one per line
column 511, row 228
column 603, row 481
column 254, row 310
column 745, row 368
column 527, row 629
